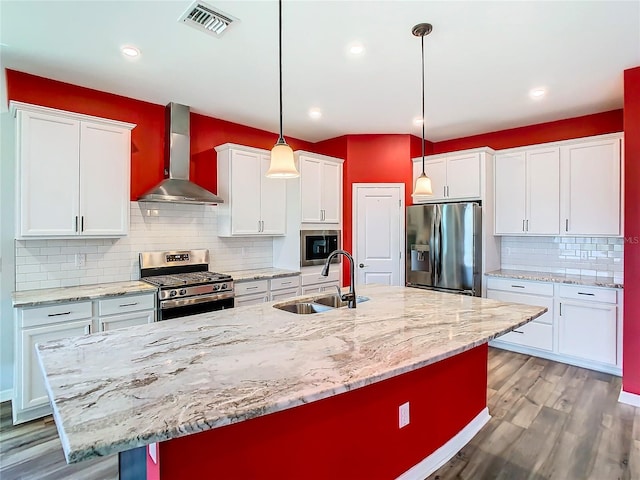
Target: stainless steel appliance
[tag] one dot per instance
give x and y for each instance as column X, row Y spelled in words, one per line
column 316, row 245
column 185, row 284
column 444, row 247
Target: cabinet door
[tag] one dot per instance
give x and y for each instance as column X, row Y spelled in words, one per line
column 591, row 188
column 273, row 201
column 245, row 193
column 331, row 192
column 311, row 289
column 463, row 176
column 588, row 331
column 250, row 300
column 436, row 170
column 126, row 320
column 284, row 294
column 310, row 189
column 105, row 157
column 48, row 156
column 510, row 188
column 31, row 383
column 543, row 191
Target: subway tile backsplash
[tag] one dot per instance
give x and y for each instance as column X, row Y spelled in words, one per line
column 595, row 256
column 154, row 226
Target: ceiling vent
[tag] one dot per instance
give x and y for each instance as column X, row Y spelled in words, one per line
column 206, row 19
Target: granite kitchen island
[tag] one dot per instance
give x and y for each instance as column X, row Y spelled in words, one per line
column 260, row 392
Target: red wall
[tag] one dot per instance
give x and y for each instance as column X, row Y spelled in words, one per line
column 631, row 335
column 353, row 435
column 588, row 125
column 147, row 139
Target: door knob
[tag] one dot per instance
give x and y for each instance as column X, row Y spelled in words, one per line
column 362, row 265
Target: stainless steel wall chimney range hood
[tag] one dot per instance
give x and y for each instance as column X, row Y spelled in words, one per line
column 177, row 188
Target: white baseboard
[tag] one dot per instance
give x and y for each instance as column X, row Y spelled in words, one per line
column 441, row 456
column 629, row 398
column 6, row 395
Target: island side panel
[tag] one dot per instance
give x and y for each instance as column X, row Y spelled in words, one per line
column 351, row 435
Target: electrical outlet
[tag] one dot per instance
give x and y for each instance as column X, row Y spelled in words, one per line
column 81, row 259
column 403, row 415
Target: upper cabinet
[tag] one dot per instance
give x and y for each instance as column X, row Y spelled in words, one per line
column 590, row 172
column 567, row 188
column 454, row 176
column 527, row 192
column 73, row 174
column 254, row 204
column 320, row 188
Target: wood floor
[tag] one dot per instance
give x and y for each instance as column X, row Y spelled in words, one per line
column 549, row 421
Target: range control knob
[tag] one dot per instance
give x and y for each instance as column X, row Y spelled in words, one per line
column 173, row 293
column 223, row 286
column 216, row 287
column 183, row 291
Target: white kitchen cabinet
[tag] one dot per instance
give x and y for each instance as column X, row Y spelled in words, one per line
column 588, row 324
column 527, row 192
column 320, row 188
column 39, row 325
column 315, row 283
column 126, row 311
column 453, row 176
column 583, row 325
column 251, row 292
column 73, row 174
column 254, row 204
column 282, row 288
column 591, row 184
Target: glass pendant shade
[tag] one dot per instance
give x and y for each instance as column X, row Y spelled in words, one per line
column 282, row 163
column 423, row 186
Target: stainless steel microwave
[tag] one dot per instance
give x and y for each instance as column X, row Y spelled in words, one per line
column 316, row 245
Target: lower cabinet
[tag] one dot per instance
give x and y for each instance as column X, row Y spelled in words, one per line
column 582, row 326
column 283, row 288
column 58, row 322
column 316, row 283
column 254, row 292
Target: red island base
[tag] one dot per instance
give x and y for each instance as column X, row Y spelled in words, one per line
column 351, row 435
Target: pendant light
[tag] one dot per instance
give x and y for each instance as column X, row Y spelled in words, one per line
column 282, row 164
column 423, row 183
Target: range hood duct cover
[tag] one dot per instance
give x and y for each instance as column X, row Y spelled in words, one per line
column 177, row 188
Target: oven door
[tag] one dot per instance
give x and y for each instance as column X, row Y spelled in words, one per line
column 182, row 307
column 316, row 245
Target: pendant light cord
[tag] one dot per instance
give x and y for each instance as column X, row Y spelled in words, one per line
column 423, row 119
column 281, row 138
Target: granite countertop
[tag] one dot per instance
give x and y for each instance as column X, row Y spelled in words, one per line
column 45, row 296
column 260, row 274
column 587, row 280
column 196, row 373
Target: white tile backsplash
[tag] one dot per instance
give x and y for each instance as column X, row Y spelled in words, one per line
column 596, row 256
column 52, row 263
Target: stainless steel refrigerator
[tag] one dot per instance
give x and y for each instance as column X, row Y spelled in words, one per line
column 444, row 250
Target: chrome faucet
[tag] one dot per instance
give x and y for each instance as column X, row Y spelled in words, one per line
column 346, row 297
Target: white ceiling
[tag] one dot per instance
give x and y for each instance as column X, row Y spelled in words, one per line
column 481, row 60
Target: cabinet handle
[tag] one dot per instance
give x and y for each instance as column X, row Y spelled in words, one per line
column 585, row 293
column 263, row 225
column 251, row 288
column 58, row 314
column 517, row 331
column 566, row 225
column 527, row 225
column 517, row 286
column 82, row 223
column 523, row 225
column 76, row 223
column 447, row 190
column 444, row 191
column 286, row 283
column 560, row 308
column 128, row 304
column 89, row 329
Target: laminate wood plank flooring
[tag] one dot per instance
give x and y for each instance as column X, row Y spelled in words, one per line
column 549, row 421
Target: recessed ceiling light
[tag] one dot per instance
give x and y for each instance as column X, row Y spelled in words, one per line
column 130, row 51
column 356, row 49
column 537, row 93
column 315, row 113
column 417, row 121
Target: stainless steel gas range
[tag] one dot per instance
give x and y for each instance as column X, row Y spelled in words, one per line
column 185, row 284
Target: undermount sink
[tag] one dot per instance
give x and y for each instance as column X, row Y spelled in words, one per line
column 317, row 305
column 303, row 308
column 336, row 302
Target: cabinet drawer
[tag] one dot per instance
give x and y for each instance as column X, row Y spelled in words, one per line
column 130, row 303
column 313, row 278
column 593, row 294
column 285, row 294
column 533, row 334
column 246, row 300
column 521, row 286
column 62, row 312
column 285, row 282
column 249, row 288
column 527, row 299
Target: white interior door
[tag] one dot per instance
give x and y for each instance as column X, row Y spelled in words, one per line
column 378, row 233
